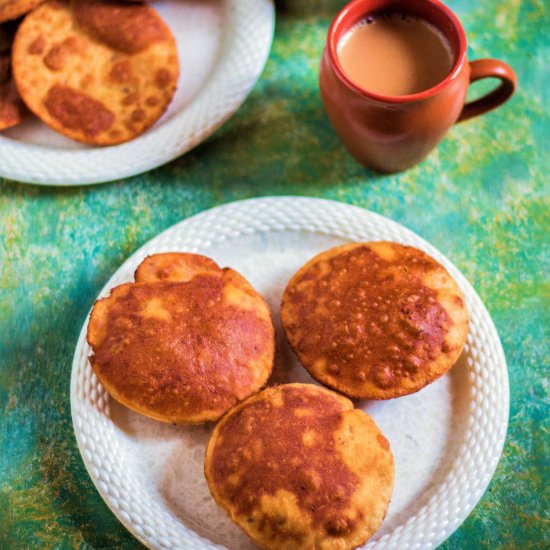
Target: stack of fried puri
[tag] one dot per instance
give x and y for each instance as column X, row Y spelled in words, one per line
column 185, row 342
column 98, row 71
column 374, row 320
column 296, row 466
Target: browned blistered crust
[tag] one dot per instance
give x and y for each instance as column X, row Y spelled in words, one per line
column 182, row 350
column 375, row 320
column 297, row 467
column 98, row 71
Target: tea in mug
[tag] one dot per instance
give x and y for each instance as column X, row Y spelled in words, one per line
column 395, row 54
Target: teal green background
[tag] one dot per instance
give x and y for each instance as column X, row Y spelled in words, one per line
column 482, row 198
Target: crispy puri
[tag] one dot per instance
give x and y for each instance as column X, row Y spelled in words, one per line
column 173, row 266
column 12, row 108
column 12, row 9
column 182, row 351
column 375, row 320
column 98, row 71
column 297, row 467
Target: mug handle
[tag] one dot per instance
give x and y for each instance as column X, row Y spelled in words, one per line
column 489, row 68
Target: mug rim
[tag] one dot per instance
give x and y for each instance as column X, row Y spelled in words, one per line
column 332, row 46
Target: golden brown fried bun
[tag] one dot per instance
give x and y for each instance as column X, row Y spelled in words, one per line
column 98, row 71
column 297, row 467
column 12, row 9
column 375, row 320
column 174, row 266
column 12, row 108
column 182, row 351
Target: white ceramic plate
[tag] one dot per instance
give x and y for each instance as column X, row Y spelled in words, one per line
column 447, row 438
column 222, row 46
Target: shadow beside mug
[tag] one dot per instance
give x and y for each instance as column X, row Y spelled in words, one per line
column 392, row 133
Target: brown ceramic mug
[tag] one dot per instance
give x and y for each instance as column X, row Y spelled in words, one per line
column 392, row 133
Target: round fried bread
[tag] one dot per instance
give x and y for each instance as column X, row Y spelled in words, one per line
column 297, row 467
column 12, row 108
column 374, row 320
column 182, row 351
column 12, row 9
column 173, row 266
column 98, row 71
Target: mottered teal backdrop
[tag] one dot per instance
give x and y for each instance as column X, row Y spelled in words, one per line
column 482, row 198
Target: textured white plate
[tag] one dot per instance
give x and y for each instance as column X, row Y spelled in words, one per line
column 222, row 46
column 446, row 439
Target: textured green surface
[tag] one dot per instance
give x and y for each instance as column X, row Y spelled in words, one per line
column 482, row 198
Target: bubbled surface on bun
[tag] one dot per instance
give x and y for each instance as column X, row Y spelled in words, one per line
column 375, row 320
column 296, row 466
column 182, row 350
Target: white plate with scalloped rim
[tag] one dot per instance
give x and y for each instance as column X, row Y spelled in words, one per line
column 222, row 45
column 447, row 438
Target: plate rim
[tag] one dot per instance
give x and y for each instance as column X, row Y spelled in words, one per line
column 256, row 204
column 30, row 163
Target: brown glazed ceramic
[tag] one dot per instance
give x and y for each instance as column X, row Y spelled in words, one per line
column 392, row 133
